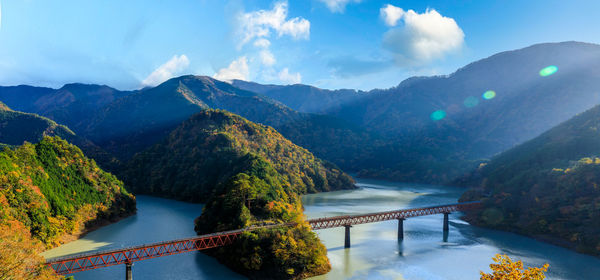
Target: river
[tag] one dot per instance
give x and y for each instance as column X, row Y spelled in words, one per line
column 375, row 252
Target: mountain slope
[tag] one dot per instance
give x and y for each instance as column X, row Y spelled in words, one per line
column 50, row 192
column 209, row 148
column 18, row 127
column 73, row 105
column 525, row 104
column 304, row 98
column 546, row 187
column 139, row 120
column 247, row 174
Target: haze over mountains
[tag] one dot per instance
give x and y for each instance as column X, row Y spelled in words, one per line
column 381, row 133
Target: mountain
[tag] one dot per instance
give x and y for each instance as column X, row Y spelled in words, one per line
column 18, row 127
column 523, row 105
column 73, row 104
column 139, row 120
column 50, row 192
column 304, row 98
column 247, row 174
column 390, row 134
column 211, row 146
column 546, row 187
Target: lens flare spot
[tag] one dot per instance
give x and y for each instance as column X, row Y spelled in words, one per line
column 548, row 71
column 471, row 102
column 438, row 115
column 489, row 94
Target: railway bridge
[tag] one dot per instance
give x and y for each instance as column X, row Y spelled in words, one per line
column 127, row 256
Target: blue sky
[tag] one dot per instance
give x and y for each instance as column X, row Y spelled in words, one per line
column 327, row 43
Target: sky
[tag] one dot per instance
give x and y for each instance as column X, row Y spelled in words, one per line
column 359, row 44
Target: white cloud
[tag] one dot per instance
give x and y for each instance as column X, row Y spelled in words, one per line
column 424, row 37
column 176, row 65
column 260, row 24
column 391, row 14
column 289, row 78
column 338, row 6
column 267, row 58
column 237, row 70
column 262, row 43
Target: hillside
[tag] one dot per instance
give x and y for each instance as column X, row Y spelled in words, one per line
column 18, row 127
column 209, row 148
column 50, row 192
column 137, row 121
column 525, row 104
column 247, row 174
column 304, row 98
column 546, row 187
column 73, row 104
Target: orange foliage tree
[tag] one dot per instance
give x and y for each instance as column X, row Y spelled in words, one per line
column 507, row 269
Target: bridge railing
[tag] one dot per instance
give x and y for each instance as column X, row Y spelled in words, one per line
column 338, row 221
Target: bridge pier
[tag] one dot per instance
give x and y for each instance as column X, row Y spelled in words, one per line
column 128, row 271
column 400, row 229
column 446, row 227
column 347, row 236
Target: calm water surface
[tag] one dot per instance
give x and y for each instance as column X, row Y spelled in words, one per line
column 375, row 252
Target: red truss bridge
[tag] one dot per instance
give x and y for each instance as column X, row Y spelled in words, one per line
column 94, row 260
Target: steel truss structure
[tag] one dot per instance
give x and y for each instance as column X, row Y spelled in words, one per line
column 94, row 260
column 340, row 221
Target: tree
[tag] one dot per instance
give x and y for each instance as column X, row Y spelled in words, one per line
column 507, row 269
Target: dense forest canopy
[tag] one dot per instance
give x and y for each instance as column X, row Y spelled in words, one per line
column 546, row 187
column 210, row 147
column 50, row 191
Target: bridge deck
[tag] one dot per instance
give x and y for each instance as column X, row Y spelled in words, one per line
column 94, row 260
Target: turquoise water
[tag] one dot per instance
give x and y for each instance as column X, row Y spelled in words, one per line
column 375, row 252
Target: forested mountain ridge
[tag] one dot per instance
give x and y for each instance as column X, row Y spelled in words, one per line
column 50, row 191
column 72, row 105
column 18, row 127
column 304, row 98
column 546, row 187
column 390, row 134
column 247, row 174
column 209, row 148
column 482, row 109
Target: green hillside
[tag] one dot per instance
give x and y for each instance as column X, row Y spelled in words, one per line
column 17, row 127
column 247, row 174
column 210, row 147
column 546, row 187
column 50, row 192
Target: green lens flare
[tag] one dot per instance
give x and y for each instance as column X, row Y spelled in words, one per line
column 548, row 71
column 489, row 94
column 471, row 102
column 438, row 115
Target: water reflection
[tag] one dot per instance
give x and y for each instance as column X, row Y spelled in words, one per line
column 426, row 252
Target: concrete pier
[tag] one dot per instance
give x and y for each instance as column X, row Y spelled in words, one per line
column 400, row 229
column 446, row 227
column 347, row 236
column 128, row 271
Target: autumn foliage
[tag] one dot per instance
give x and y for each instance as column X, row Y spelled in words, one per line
column 506, row 269
column 50, row 191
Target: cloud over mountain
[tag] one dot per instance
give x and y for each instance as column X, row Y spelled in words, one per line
column 237, row 70
column 175, row 66
column 422, row 38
